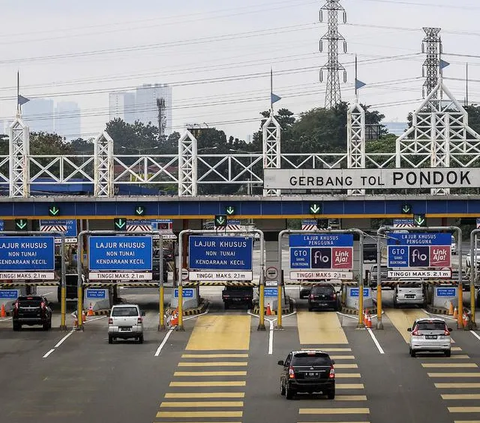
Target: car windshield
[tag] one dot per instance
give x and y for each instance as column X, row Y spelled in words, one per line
column 311, row 360
column 431, row 325
column 124, row 311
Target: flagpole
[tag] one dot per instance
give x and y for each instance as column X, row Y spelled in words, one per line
column 356, row 77
column 271, row 90
column 18, row 92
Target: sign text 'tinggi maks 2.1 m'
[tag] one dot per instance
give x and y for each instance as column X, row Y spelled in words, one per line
column 321, row 256
column 220, row 258
column 412, row 254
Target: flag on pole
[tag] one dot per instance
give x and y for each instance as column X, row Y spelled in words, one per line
column 274, row 98
column 443, row 64
column 359, row 84
column 22, row 100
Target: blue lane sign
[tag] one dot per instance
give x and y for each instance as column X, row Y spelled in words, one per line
column 220, row 253
column 96, row 294
column 355, row 291
column 124, row 253
column 321, row 240
column 187, row 293
column 446, row 292
column 271, row 292
column 9, row 294
column 24, row 253
column 417, row 238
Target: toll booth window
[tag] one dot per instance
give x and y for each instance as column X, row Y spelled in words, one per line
column 125, row 311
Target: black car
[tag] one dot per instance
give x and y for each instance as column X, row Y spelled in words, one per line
column 307, row 371
column 323, row 296
column 31, row 310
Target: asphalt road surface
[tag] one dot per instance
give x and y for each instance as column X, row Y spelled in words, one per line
column 222, row 369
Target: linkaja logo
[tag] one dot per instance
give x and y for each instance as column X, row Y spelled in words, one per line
column 321, row 258
column 419, row 256
column 342, row 258
column 440, row 256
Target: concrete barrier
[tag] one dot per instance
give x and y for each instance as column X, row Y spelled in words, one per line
column 96, row 299
column 190, row 298
column 9, row 296
column 352, row 297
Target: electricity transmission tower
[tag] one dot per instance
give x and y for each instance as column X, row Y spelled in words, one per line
column 333, row 37
column 432, row 43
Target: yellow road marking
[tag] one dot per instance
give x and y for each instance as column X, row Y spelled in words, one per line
column 328, row 349
column 195, row 404
column 454, row 356
column 205, row 395
column 213, row 363
column 449, row 365
column 342, row 357
column 214, row 355
column 460, row 396
column 203, row 384
column 457, row 385
column 363, row 421
column 194, row 414
column 346, row 366
column 403, row 319
column 464, row 409
column 466, row 421
column 347, row 375
column 350, row 398
column 454, row 374
column 201, row 374
column 320, row 328
column 334, row 411
column 456, row 349
column 349, row 386
column 213, row 333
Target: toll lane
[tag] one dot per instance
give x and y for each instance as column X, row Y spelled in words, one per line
column 320, row 328
column 403, row 319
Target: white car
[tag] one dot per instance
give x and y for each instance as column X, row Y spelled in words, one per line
column 430, row 334
column 125, row 321
column 453, row 246
column 468, row 260
column 409, row 292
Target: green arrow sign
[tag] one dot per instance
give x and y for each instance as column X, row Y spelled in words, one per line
column 420, row 220
column 140, row 211
column 21, row 224
column 406, row 209
column 53, row 211
column 315, row 208
column 220, row 220
column 230, row 210
column 120, row 223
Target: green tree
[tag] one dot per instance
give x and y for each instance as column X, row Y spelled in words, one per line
column 81, row 146
column 133, row 138
column 43, row 143
column 473, row 117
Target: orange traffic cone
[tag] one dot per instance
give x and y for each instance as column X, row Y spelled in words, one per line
column 90, row 310
column 174, row 319
column 3, row 313
column 269, row 310
column 455, row 313
column 450, row 309
column 75, row 322
column 369, row 321
column 84, row 316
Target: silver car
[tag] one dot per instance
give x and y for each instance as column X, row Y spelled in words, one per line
column 125, row 321
column 430, row 334
column 409, row 292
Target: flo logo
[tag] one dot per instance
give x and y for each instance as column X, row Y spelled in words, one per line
column 440, row 256
column 321, row 258
column 419, row 256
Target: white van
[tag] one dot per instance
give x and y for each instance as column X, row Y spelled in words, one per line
column 125, row 321
column 409, row 292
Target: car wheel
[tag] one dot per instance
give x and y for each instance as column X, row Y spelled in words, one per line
column 448, row 353
column 288, row 393
column 331, row 394
column 395, row 304
column 282, row 388
column 16, row 327
column 412, row 353
column 45, row 326
column 310, row 308
column 140, row 339
column 110, row 339
column 227, row 306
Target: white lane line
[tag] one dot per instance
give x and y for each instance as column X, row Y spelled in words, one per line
column 63, row 339
column 48, row 353
column 350, row 316
column 375, row 341
column 6, row 319
column 270, row 338
column 95, row 318
column 159, row 349
column 475, row 334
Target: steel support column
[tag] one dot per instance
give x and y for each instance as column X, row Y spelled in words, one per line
column 356, row 141
column 187, row 165
column 103, row 166
column 271, row 149
column 19, row 150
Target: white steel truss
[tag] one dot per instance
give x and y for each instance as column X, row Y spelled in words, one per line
column 187, row 165
column 103, row 166
column 356, row 141
column 19, row 180
column 271, row 132
column 439, row 136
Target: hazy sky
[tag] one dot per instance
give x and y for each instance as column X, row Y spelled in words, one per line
column 217, row 54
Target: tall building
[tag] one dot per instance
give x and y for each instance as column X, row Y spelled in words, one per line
column 150, row 108
column 67, row 120
column 38, row 114
column 121, row 104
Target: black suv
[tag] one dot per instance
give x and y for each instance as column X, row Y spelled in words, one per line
column 323, row 296
column 307, row 371
column 32, row 310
